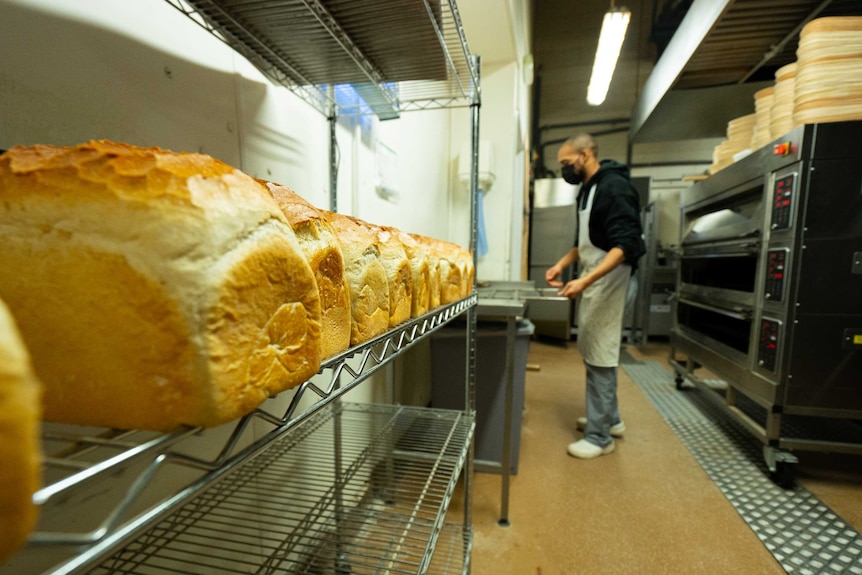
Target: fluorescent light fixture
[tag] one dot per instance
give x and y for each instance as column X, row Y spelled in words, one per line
column 610, row 41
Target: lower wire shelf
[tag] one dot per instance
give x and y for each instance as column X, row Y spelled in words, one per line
column 357, row 488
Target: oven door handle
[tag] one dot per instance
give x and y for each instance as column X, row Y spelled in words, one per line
column 736, row 312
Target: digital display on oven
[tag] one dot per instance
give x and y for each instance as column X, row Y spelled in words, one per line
column 776, row 262
column 767, row 353
column 782, row 202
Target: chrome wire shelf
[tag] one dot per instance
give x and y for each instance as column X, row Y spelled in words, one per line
column 372, row 502
column 398, row 55
column 84, row 462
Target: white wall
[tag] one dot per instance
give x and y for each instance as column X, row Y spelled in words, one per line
column 73, row 71
column 147, row 75
column 418, row 145
column 499, row 127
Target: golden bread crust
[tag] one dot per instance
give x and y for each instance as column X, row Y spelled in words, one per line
column 417, row 254
column 123, row 266
column 453, row 271
column 366, row 278
column 398, row 272
column 323, row 252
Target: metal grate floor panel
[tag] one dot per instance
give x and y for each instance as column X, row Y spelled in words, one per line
column 802, row 533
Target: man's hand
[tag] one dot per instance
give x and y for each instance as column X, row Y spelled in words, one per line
column 552, row 274
column 574, row 288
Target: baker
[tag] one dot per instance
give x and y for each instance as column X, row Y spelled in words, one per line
column 608, row 245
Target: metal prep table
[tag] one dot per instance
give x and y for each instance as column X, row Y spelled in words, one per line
column 511, row 301
column 509, row 310
column 550, row 313
column 509, row 304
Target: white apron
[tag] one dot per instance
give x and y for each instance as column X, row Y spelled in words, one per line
column 601, row 306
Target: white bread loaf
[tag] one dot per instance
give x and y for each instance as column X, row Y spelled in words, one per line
column 20, row 455
column 451, row 285
column 450, row 280
column 366, row 278
column 417, row 254
column 152, row 288
column 323, row 252
column 468, row 272
column 433, row 259
column 398, row 273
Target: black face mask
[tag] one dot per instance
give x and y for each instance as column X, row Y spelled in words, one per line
column 571, row 176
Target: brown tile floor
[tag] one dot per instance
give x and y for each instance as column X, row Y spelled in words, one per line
column 647, row 508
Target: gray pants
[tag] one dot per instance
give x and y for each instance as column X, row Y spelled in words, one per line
column 602, row 407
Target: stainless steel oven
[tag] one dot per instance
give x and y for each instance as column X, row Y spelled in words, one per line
column 769, row 287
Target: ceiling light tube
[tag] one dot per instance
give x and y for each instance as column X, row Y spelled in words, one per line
column 608, row 52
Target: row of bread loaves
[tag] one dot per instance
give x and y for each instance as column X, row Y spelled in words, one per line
column 155, row 289
column 371, row 277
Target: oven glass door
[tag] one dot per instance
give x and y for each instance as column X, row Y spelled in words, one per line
column 708, row 325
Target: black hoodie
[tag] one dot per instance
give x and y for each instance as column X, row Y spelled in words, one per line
column 615, row 219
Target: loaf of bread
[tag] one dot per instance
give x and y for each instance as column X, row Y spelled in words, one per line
column 366, row 278
column 323, row 252
column 152, row 288
column 446, row 257
column 459, row 284
column 417, row 255
column 398, row 274
column 451, row 284
column 19, row 438
column 468, row 271
column 433, row 260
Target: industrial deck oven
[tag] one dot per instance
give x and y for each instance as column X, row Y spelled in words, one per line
column 769, row 290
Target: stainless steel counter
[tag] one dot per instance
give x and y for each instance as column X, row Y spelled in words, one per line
column 549, row 312
column 509, row 302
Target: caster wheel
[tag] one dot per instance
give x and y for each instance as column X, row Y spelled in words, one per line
column 679, row 381
column 784, row 475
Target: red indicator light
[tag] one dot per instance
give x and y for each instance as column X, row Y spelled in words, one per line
column 781, row 149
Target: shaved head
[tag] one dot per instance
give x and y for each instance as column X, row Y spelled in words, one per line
column 582, row 142
column 578, row 157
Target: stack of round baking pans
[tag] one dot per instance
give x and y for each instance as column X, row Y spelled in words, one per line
column 781, row 117
column 739, row 133
column 763, row 110
column 828, row 85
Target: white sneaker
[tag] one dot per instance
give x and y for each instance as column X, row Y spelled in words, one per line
column 616, row 430
column 583, row 449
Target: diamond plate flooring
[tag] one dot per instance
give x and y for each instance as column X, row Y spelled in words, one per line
column 803, row 534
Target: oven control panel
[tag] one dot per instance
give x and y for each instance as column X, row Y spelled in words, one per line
column 767, row 350
column 776, row 264
column 782, row 202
